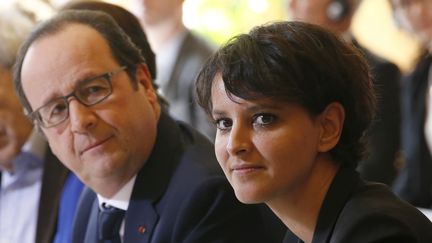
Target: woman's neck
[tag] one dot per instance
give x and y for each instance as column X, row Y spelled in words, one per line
column 299, row 209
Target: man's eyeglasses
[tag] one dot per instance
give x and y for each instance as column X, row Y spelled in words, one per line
column 89, row 92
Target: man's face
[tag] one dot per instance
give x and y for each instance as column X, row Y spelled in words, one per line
column 104, row 144
column 153, row 12
column 310, row 11
column 15, row 128
column 415, row 16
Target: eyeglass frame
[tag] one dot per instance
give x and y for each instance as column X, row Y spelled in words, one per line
column 36, row 117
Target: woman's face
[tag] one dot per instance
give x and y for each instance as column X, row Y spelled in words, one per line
column 265, row 148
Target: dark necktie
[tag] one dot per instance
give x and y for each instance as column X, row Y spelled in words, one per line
column 109, row 222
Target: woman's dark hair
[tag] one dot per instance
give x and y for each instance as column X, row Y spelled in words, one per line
column 300, row 63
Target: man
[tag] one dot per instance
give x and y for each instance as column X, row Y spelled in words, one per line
column 415, row 181
column 154, row 180
column 32, row 179
column 383, row 142
column 179, row 56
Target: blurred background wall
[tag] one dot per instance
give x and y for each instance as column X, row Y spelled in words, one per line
column 218, row 20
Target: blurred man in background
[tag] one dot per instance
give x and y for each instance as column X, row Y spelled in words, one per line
column 415, row 181
column 179, row 56
column 384, row 138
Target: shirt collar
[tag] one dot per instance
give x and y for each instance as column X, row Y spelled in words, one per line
column 35, row 145
column 27, row 165
column 121, row 198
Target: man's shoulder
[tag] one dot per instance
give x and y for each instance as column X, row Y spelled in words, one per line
column 55, row 173
column 379, row 64
column 198, row 155
column 196, row 45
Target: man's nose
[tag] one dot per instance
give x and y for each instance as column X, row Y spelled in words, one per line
column 82, row 118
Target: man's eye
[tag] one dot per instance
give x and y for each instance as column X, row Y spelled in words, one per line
column 57, row 109
column 264, row 119
column 94, row 89
column 93, row 92
column 223, row 124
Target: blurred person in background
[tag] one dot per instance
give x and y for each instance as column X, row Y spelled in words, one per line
column 37, row 194
column 414, row 183
column 384, row 134
column 179, row 56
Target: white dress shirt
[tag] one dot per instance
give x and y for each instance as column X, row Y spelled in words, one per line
column 119, row 200
column 166, row 59
column 20, row 193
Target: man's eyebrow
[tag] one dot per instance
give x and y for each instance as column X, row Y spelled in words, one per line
column 82, row 80
column 88, row 78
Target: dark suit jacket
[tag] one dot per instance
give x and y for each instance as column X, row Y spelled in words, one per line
column 54, row 177
column 384, row 133
column 180, row 196
column 414, row 183
column 180, row 88
column 355, row 211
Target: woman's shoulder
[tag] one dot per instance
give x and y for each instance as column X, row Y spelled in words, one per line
column 374, row 214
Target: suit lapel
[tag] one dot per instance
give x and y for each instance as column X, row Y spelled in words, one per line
column 53, row 179
column 91, row 231
column 83, row 214
column 152, row 181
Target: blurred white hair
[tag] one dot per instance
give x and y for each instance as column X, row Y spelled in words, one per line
column 17, row 19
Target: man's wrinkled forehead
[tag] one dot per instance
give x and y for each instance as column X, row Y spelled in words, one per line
column 62, row 58
column 64, row 43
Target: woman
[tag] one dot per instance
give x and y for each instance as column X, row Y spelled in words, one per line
column 291, row 103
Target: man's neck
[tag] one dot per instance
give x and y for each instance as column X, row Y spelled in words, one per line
column 162, row 33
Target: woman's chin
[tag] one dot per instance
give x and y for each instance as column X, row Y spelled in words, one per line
column 249, row 197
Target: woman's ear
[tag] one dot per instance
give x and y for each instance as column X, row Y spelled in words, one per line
column 331, row 121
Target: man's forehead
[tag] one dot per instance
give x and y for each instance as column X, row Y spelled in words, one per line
column 74, row 40
column 55, row 62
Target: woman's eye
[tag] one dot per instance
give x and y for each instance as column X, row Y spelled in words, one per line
column 223, row 124
column 263, row 119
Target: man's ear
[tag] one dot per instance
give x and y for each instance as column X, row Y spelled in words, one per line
column 145, row 82
column 332, row 122
column 143, row 76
